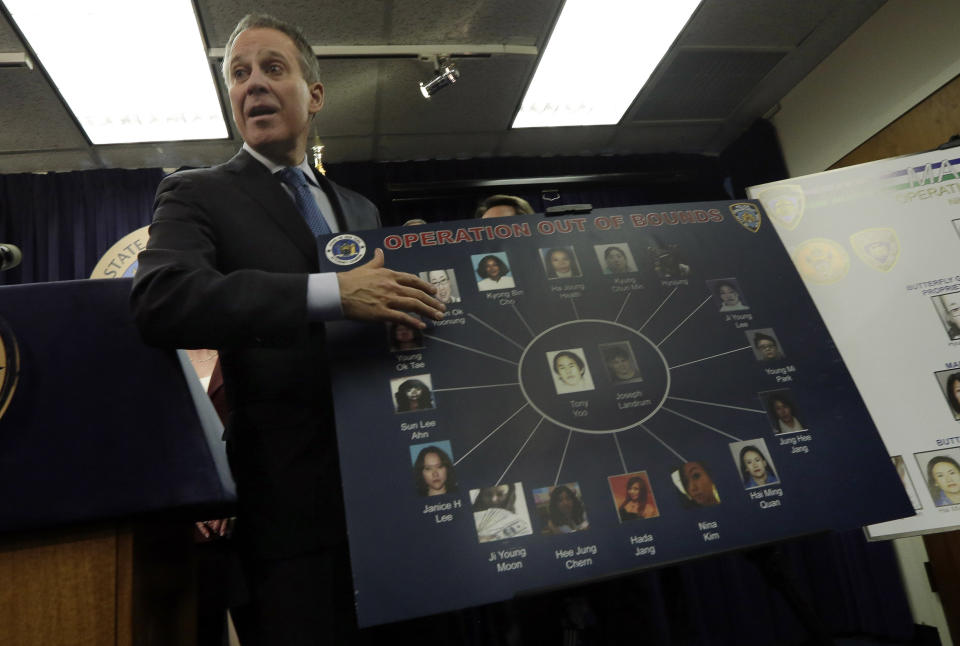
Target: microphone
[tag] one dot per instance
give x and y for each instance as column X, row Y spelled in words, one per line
column 10, row 256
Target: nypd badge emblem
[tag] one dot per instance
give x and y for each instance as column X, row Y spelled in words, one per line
column 9, row 365
column 878, row 248
column 821, row 260
column 747, row 215
column 345, row 249
column 784, row 203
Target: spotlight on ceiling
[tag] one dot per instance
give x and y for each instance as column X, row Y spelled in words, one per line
column 446, row 74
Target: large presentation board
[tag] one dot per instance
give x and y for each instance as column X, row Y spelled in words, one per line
column 606, row 392
column 877, row 247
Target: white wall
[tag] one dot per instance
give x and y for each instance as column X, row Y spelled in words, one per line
column 905, row 52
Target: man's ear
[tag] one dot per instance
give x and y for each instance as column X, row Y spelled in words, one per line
column 316, row 97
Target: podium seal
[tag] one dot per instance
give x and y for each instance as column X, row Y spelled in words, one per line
column 9, row 365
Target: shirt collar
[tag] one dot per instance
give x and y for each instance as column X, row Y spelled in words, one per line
column 274, row 167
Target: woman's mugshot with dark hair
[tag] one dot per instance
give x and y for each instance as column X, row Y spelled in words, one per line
column 413, row 395
column 952, row 392
column 755, row 470
column 404, row 337
column 561, row 262
column 697, row 485
column 783, row 414
column 616, row 261
column 638, row 502
column 493, row 273
column 433, row 472
column 567, row 513
column 729, row 295
column 943, row 478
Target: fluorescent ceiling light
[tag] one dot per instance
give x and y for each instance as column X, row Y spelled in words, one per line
column 130, row 70
column 599, row 56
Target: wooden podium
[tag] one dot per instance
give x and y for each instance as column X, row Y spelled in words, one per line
column 107, row 453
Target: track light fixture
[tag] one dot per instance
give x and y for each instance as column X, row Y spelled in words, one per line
column 446, row 74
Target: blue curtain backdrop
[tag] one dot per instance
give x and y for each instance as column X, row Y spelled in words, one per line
column 64, row 222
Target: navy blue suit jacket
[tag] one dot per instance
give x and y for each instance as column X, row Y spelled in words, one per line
column 226, row 267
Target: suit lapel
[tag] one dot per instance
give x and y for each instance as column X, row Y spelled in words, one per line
column 334, row 198
column 265, row 190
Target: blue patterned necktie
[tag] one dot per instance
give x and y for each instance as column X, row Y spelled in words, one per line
column 294, row 178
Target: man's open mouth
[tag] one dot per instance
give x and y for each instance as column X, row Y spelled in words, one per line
column 260, row 111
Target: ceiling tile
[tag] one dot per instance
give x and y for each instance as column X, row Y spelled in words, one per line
column 324, row 22
column 56, row 161
column 481, row 21
column 350, row 91
column 704, row 84
column 168, row 154
column 483, row 100
column 735, row 60
column 31, row 115
column 9, row 43
column 772, row 23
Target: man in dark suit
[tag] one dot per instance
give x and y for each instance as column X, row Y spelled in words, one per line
column 232, row 264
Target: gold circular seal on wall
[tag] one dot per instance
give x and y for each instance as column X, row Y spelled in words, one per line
column 9, row 365
column 120, row 260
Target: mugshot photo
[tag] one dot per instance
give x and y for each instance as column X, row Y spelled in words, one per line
column 620, row 362
column 782, row 411
column 404, row 337
column 668, row 261
column 906, row 480
column 728, row 294
column 445, row 280
column 942, row 471
column 633, row 496
column 615, row 258
column 570, row 371
column 412, row 393
column 766, row 346
column 948, row 309
column 754, row 464
column 695, row 484
column 433, row 473
column 560, row 509
column 500, row 512
column 493, row 271
column 949, row 383
column 560, row 262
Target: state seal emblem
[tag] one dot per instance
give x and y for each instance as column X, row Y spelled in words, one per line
column 747, row 214
column 821, row 260
column 345, row 249
column 878, row 248
column 120, row 260
column 784, row 203
column 9, row 365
